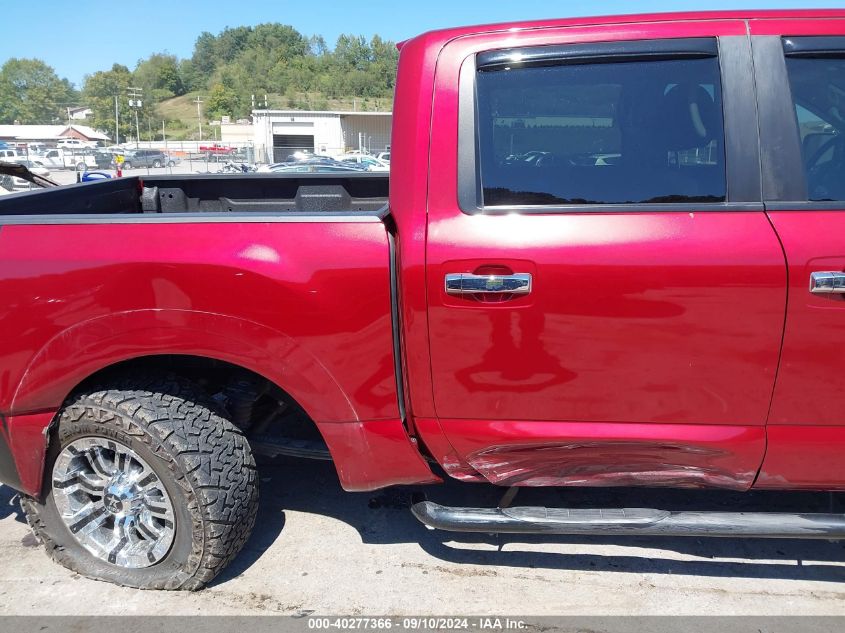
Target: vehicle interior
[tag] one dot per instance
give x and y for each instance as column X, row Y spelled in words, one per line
column 631, row 132
column 818, row 89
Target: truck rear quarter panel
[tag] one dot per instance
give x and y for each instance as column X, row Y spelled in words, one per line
column 310, row 301
column 304, row 304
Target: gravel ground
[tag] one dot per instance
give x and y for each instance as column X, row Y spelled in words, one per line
column 320, row 550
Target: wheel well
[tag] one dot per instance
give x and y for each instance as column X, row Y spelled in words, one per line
column 253, row 403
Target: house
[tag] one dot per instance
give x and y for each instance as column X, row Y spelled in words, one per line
column 79, row 113
column 49, row 133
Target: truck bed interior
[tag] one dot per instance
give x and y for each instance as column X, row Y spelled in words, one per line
column 212, row 193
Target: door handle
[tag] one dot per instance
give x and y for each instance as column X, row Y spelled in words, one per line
column 827, row 282
column 470, row 284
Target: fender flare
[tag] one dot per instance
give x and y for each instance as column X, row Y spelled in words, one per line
column 85, row 348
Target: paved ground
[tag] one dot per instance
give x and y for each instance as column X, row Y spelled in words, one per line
column 320, row 550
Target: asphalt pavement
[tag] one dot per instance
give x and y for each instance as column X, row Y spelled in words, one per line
column 320, row 550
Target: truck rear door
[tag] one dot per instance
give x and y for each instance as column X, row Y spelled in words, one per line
column 606, row 294
column 801, row 83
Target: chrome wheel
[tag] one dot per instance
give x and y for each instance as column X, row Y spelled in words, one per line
column 113, row 503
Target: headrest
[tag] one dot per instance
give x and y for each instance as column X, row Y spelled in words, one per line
column 689, row 117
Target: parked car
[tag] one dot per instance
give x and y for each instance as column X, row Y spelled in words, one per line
column 104, row 159
column 146, row 158
column 384, row 157
column 34, row 166
column 78, row 159
column 655, row 300
column 217, row 148
column 316, row 168
column 10, row 155
column 371, row 163
column 73, row 143
column 336, row 165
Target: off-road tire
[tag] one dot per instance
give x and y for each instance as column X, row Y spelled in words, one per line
column 201, row 458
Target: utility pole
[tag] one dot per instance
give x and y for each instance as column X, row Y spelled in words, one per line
column 116, row 120
column 199, row 114
column 135, row 103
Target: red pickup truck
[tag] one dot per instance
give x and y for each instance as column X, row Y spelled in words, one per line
column 216, row 148
column 612, row 254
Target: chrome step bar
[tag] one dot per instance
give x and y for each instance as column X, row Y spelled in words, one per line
column 630, row 521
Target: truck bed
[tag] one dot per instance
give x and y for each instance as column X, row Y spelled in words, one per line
column 224, row 193
column 289, row 277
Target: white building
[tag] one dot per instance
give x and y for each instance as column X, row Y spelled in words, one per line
column 279, row 133
column 49, row 133
column 79, row 114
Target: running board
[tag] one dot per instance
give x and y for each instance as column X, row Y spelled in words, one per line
column 630, row 521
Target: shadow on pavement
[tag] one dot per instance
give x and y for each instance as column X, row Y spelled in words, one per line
column 383, row 517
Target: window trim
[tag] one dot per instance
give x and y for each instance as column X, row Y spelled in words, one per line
column 814, row 46
column 602, row 52
column 742, row 157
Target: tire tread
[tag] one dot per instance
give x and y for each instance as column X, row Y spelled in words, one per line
column 207, row 455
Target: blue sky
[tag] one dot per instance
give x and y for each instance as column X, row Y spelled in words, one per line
column 77, row 38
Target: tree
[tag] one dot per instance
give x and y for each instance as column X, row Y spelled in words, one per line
column 221, row 101
column 353, row 52
column 31, row 92
column 204, row 59
column 99, row 93
column 160, row 72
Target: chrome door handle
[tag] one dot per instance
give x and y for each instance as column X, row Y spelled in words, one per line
column 827, row 282
column 469, row 284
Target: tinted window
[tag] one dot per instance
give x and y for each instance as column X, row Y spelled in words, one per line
column 818, row 91
column 603, row 133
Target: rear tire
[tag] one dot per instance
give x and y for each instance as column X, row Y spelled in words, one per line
column 157, row 164
column 205, row 475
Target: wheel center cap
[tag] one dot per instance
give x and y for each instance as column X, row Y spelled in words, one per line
column 121, row 497
column 113, row 503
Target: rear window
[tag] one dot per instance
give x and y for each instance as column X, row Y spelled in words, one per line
column 601, row 133
column 818, row 93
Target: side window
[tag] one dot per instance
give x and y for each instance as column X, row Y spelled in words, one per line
column 601, row 133
column 818, row 94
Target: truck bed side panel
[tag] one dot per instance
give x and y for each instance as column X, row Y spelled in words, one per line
column 304, row 304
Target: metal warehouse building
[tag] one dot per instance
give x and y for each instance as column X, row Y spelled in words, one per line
column 278, row 133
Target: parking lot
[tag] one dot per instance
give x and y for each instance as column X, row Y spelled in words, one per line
column 68, row 176
column 318, row 549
